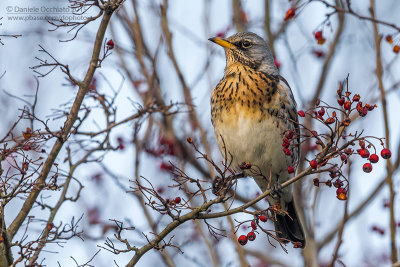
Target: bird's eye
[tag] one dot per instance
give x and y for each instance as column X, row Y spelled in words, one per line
column 246, row 44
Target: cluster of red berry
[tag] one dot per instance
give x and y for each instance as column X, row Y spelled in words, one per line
column 348, row 103
column 251, row 236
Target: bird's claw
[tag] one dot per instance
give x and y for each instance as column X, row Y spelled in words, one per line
column 276, row 190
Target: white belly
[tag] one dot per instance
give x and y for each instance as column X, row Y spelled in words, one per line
column 259, row 143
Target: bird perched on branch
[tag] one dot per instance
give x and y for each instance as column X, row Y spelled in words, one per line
column 252, row 109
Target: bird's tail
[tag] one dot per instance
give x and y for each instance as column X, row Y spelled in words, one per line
column 289, row 227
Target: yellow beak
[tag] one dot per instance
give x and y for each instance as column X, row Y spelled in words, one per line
column 222, row 42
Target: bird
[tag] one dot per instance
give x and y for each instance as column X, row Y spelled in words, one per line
column 254, row 115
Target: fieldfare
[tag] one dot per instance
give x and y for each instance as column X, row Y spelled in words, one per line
column 252, row 109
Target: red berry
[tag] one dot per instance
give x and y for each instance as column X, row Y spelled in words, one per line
column 287, row 152
column 364, row 153
column 253, row 225
column 318, row 35
column 374, row 158
column 290, row 134
column 386, row 154
column 341, row 101
column 263, row 218
column 343, row 157
column 313, row 164
column 321, row 112
column 286, row 143
column 27, row 147
column 242, row 240
column 319, row 53
column 166, row 167
column 367, row 167
column 290, row 169
column 177, row 200
column 110, row 44
column 316, row 181
column 301, row 113
column 251, row 236
column 347, row 105
column 290, row 13
column 396, row 49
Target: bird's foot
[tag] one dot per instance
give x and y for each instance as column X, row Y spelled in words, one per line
column 276, row 190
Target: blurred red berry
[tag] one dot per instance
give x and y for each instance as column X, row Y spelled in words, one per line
column 301, row 113
column 277, row 63
column 287, row 152
column 251, row 236
column 110, row 44
column 341, row 101
column 364, row 153
column 177, row 200
column 347, row 105
column 343, row 157
column 290, row 13
column 290, row 134
column 242, row 240
column 389, row 39
column 316, row 182
column 319, row 53
column 263, row 218
column 313, row 164
column 166, row 167
column 160, row 190
column 367, row 167
column 396, row 49
column 290, row 169
column 253, row 225
column 374, row 158
column 318, row 35
column 285, row 143
column 386, row 154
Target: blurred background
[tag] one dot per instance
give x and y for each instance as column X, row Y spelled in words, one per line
column 161, row 55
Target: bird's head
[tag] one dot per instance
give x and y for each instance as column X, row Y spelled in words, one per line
column 249, row 49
